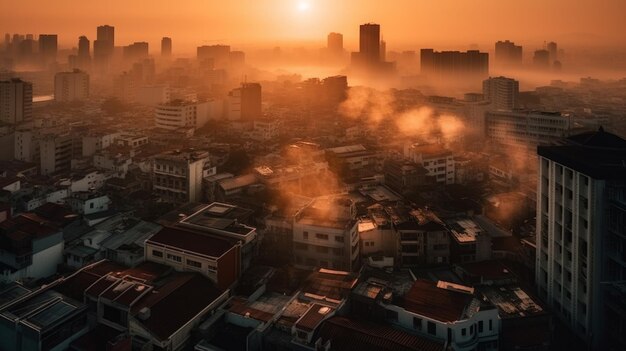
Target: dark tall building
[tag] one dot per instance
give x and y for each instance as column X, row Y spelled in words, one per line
column 369, row 43
column 48, row 47
column 383, row 51
column 541, row 59
column 84, row 53
column 166, row 47
column 104, row 45
column 581, row 235
column 508, row 54
column 136, row 51
column 454, row 64
column 218, row 54
column 552, row 50
column 250, row 101
column 335, row 43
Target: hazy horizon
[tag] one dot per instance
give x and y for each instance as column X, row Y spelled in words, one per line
column 406, row 25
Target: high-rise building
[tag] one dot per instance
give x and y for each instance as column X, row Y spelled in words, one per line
column 244, row 103
column 541, row 59
column 552, row 51
column 369, row 43
column 84, row 53
column 71, row 86
column 581, row 218
column 218, row 54
column 383, row 51
column 181, row 114
column 166, row 47
column 136, row 51
column 104, row 45
column 502, row 92
column 48, row 47
column 335, row 43
column 16, row 101
column 508, row 54
column 454, row 64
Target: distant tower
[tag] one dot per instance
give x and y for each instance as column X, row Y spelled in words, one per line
column 369, row 43
column 552, row 49
column 502, row 92
column 383, row 51
column 508, row 54
column 104, row 45
column 84, row 54
column 541, row 59
column 335, row 43
column 48, row 47
column 166, row 47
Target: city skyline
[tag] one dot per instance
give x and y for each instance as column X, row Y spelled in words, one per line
column 407, row 24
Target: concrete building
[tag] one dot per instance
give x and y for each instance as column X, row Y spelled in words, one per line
column 454, row 64
column 580, row 270
column 166, row 47
column 541, row 59
column 181, row 114
column 526, row 128
column 178, row 175
column 71, row 86
column 438, row 161
column 508, row 54
column 334, row 44
column 244, row 103
column 56, row 152
column 31, row 248
column 16, row 101
column 501, row 92
column 96, row 141
column 153, row 95
column 447, row 312
column 104, row 46
column 48, row 48
column 325, row 234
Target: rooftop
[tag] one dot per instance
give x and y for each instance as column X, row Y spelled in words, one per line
column 429, row 299
column 191, row 241
column 220, row 218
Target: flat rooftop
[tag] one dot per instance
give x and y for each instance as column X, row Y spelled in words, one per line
column 221, row 218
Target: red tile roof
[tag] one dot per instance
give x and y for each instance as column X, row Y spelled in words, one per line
column 191, row 242
column 350, row 334
column 426, row 299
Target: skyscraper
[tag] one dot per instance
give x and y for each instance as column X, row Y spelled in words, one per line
column 104, row 45
column 581, row 221
column 84, row 54
column 335, row 43
column 48, row 47
column 508, row 54
column 369, row 43
column 502, row 92
column 541, row 59
column 166, row 47
column 136, row 51
column 454, row 64
column 16, row 101
column 552, row 50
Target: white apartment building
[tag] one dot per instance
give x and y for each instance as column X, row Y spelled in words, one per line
column 16, row 101
column 447, row 312
column 181, row 114
column 325, row 234
column 501, row 92
column 581, row 216
column 178, row 175
column 96, row 141
column 436, row 159
column 526, row 128
column 71, row 86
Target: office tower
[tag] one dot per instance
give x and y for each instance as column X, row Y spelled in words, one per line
column 16, row 101
column 454, row 64
column 166, row 47
column 218, row 54
column 244, row 103
column 104, row 45
column 541, row 59
column 335, row 43
column 383, row 51
column 48, row 47
column 84, row 56
column 136, row 51
column 502, row 92
column 508, row 54
column 369, row 43
column 552, row 50
column 581, row 218
column 71, row 86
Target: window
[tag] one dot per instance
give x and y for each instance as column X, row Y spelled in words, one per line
column 339, row 239
column 91, row 205
column 305, row 235
column 174, row 258
column 471, row 330
column 463, row 332
column 432, row 328
column 157, row 253
column 338, row 252
column 490, row 325
column 392, row 315
column 193, row 263
column 417, row 323
column 321, row 236
column 480, row 326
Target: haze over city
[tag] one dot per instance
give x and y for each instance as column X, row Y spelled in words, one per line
column 312, row 175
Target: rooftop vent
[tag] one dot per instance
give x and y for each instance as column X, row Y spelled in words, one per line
column 144, row 313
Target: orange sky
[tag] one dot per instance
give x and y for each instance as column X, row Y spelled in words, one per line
column 245, row 23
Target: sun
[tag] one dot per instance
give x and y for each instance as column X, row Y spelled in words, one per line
column 303, row 6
